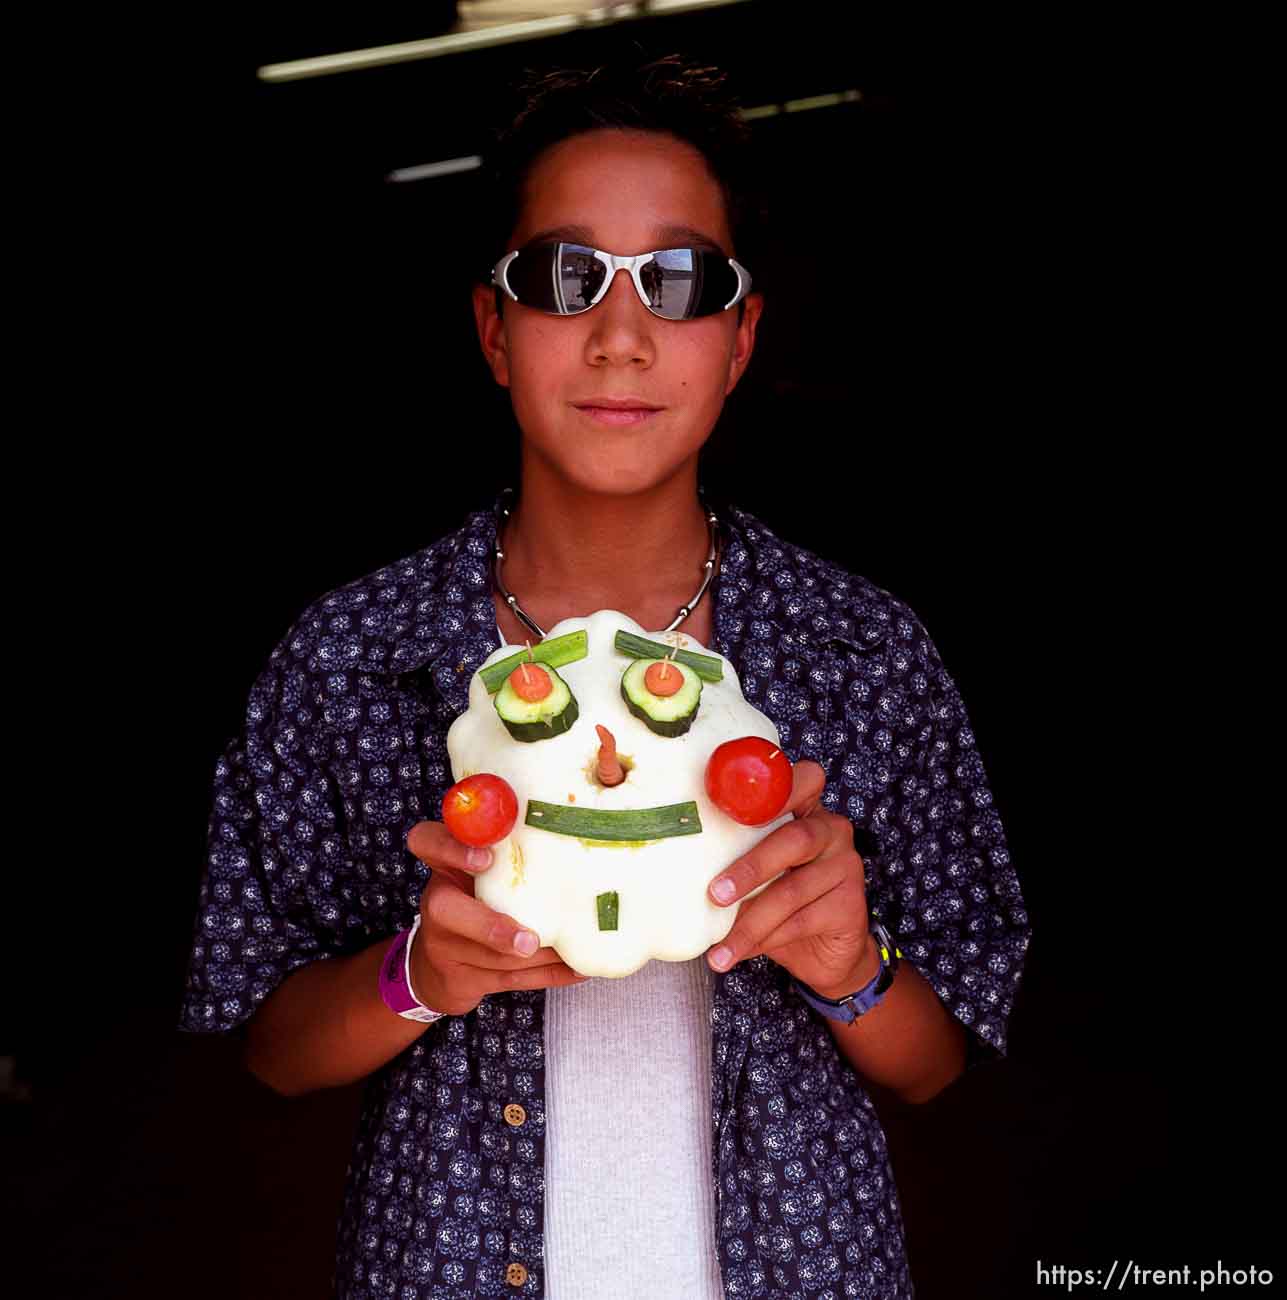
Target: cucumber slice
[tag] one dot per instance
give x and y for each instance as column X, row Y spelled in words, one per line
column 667, row 715
column 556, row 652
column 529, row 720
column 609, row 906
column 615, row 824
column 706, row 667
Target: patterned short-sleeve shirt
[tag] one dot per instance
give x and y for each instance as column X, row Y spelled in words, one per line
column 344, row 749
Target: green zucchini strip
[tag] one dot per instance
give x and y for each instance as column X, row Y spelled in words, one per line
column 707, row 667
column 564, row 649
column 613, row 824
column 609, row 906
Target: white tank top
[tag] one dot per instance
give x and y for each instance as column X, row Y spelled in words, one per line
column 629, row 1194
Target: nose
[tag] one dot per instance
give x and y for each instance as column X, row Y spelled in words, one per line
column 622, row 284
column 609, row 765
column 621, row 327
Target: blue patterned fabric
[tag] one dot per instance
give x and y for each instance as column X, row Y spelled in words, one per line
column 344, row 750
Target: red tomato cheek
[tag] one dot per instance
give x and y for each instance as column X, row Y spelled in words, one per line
column 749, row 779
column 479, row 810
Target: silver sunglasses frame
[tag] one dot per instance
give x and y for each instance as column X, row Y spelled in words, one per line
column 614, row 264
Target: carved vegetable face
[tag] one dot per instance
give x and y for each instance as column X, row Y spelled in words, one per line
column 616, row 839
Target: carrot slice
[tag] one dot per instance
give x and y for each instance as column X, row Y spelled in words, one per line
column 663, row 679
column 530, row 682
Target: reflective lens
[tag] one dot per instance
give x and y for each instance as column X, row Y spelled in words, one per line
column 579, row 276
column 677, row 283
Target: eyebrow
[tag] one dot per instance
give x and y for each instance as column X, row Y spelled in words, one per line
column 668, row 237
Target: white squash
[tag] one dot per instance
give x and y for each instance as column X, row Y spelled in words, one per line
column 549, row 881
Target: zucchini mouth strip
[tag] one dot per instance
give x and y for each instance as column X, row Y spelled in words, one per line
column 608, row 824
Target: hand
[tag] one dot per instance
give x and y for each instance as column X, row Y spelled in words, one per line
column 812, row 920
column 465, row 949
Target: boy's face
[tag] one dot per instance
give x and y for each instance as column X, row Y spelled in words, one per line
column 625, row 192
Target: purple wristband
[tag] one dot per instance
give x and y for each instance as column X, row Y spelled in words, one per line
column 395, row 980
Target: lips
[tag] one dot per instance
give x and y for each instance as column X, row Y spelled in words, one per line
column 617, row 410
column 617, row 404
column 618, row 418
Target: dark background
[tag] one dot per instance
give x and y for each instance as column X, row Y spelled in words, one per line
column 946, row 397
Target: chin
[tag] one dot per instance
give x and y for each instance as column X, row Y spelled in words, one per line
column 615, row 479
column 616, row 465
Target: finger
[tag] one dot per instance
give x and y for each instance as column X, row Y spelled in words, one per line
column 446, row 908
column 466, row 952
column 790, row 845
column 808, row 781
column 837, row 913
column 436, row 846
column 543, row 977
column 769, row 911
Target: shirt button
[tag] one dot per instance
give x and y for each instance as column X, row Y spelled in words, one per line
column 516, row 1275
column 515, row 1115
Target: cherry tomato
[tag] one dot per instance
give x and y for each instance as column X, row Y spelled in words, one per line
column 480, row 810
column 750, row 779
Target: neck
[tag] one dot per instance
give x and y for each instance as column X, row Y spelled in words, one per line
column 608, row 551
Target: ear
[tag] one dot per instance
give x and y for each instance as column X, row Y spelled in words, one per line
column 491, row 333
column 744, row 340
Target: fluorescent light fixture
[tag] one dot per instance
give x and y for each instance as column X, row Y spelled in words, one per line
column 802, row 105
column 457, row 42
column 821, row 101
column 425, row 171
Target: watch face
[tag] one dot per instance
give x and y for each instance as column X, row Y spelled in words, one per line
column 885, row 939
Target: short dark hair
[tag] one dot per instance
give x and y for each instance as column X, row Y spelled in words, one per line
column 672, row 94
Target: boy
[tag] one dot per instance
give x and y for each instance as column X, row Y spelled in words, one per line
column 699, row 1129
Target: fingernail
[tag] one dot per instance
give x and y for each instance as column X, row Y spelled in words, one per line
column 724, row 889
column 720, row 958
column 526, row 943
column 479, row 858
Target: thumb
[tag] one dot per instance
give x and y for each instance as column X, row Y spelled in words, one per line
column 808, row 781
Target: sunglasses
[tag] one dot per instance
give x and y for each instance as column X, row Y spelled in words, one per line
column 673, row 283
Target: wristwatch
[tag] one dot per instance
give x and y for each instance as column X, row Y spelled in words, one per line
column 395, row 980
column 849, row 1008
